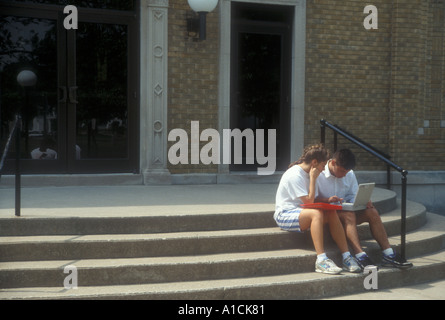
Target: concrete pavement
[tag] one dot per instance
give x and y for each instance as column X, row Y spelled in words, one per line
column 425, row 291
column 121, row 201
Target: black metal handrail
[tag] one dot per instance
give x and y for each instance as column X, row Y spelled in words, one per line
column 15, row 132
column 388, row 167
column 383, row 157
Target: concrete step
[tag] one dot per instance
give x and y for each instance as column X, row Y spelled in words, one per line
column 214, row 253
column 144, row 245
column 102, row 272
column 153, row 222
column 75, row 226
column 415, row 218
column 114, row 272
column 308, row 285
column 104, row 246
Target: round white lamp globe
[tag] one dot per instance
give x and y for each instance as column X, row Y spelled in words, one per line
column 203, row 5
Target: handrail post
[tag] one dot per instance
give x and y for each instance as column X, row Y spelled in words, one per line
column 403, row 222
column 18, row 131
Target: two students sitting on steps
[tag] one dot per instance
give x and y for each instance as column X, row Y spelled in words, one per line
column 313, row 178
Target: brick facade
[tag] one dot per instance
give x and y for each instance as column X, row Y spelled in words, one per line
column 387, row 86
column 193, row 77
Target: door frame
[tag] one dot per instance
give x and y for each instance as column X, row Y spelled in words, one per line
column 298, row 72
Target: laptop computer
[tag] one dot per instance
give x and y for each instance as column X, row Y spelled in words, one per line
column 361, row 198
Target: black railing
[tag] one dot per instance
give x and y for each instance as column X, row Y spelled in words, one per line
column 15, row 132
column 382, row 157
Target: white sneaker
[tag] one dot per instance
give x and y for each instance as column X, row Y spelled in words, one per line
column 327, row 266
column 351, row 265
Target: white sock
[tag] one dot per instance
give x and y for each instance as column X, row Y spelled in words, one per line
column 388, row 252
column 360, row 255
column 345, row 255
column 322, row 257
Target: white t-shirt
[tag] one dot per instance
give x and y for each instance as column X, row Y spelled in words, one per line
column 328, row 185
column 293, row 185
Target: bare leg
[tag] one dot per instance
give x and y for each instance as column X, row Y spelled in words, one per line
column 378, row 231
column 337, row 231
column 349, row 221
column 310, row 218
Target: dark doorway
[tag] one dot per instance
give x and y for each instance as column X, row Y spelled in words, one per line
column 260, row 74
column 81, row 115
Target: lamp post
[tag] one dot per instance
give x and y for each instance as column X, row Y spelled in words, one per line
column 202, row 7
column 26, row 79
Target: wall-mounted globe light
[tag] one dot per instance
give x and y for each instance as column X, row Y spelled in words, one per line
column 202, row 7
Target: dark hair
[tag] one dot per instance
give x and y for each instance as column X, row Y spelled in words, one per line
column 316, row 152
column 345, row 158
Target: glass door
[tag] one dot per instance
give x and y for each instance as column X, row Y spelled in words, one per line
column 80, row 116
column 102, row 99
column 261, row 79
column 29, row 46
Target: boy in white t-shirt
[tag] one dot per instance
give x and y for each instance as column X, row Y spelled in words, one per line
column 337, row 183
column 297, row 187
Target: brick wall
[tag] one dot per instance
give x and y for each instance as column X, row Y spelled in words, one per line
column 429, row 151
column 348, row 73
column 385, row 86
column 193, row 77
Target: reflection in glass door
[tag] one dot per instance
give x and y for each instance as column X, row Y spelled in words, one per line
column 101, row 100
column 29, row 45
column 102, row 106
column 82, row 112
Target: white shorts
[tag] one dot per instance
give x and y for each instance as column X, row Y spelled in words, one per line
column 289, row 220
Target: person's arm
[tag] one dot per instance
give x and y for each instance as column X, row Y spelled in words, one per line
column 352, row 187
column 313, row 175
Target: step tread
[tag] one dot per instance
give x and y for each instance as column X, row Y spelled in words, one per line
column 89, row 217
column 64, row 247
column 144, row 236
column 214, row 289
column 394, row 215
column 435, row 227
column 158, row 261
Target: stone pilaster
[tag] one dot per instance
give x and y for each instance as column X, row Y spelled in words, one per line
column 154, row 85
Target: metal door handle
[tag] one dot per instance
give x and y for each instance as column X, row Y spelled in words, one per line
column 64, row 96
column 72, row 94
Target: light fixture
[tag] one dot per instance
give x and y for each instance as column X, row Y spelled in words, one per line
column 27, row 78
column 202, row 7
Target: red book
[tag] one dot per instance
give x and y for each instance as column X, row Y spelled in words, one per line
column 321, row 205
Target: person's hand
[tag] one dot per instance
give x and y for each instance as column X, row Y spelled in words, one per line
column 369, row 205
column 335, row 199
column 314, row 173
